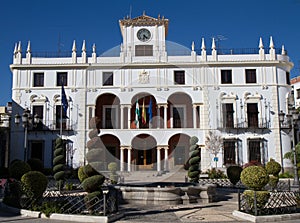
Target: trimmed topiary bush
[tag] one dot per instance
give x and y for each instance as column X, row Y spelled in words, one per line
column 193, row 171
column 262, row 198
column 59, row 162
column 18, row 168
column 93, row 183
column 273, row 167
column 34, row 183
column 113, row 176
column 81, row 174
column 255, row 177
column 234, row 174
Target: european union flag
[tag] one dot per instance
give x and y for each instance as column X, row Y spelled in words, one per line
column 150, row 111
column 64, row 101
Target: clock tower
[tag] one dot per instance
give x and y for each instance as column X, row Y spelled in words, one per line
column 144, row 36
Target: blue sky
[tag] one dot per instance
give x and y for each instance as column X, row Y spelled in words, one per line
column 46, row 23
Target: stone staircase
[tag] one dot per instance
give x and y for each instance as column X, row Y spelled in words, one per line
column 177, row 174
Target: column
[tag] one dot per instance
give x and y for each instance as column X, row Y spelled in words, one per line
column 166, row 160
column 129, row 116
column 158, row 116
column 122, row 159
column 129, row 159
column 165, row 116
column 122, row 116
column 158, row 157
column 195, row 116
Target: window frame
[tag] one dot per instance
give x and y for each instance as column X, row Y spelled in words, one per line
column 179, row 77
column 37, row 76
column 143, row 50
column 109, row 80
column 250, row 76
column 61, row 78
column 226, row 76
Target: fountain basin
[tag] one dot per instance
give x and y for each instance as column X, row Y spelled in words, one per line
column 167, row 193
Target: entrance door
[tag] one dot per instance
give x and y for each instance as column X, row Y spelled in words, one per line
column 144, row 159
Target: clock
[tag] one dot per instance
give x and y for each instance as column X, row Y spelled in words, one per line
column 143, row 35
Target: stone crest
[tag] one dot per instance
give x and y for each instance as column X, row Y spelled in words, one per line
column 144, row 77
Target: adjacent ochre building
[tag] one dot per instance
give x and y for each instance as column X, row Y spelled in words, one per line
column 178, row 93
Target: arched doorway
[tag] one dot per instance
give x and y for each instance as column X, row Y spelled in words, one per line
column 144, row 152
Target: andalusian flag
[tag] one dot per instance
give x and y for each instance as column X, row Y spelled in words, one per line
column 144, row 119
column 137, row 114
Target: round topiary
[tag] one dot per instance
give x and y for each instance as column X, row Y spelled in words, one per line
column 18, row 168
column 234, row 174
column 273, row 167
column 35, row 184
column 93, row 183
column 273, row 181
column 254, row 177
column 112, row 166
column 36, row 164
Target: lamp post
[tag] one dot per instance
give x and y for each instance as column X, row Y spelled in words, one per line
column 26, row 122
column 292, row 118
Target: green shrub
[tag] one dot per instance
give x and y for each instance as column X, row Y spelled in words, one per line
column 93, row 183
column 194, row 160
column 36, row 164
column 35, row 183
column 50, row 207
column 252, row 163
column 215, row 174
column 81, row 174
column 93, row 155
column 112, row 167
column 18, row 168
column 89, row 170
column 286, row 175
column 255, row 177
column 13, row 198
column 262, row 198
column 193, row 140
column 234, row 174
column 273, row 167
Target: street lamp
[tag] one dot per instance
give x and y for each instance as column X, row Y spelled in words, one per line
column 26, row 122
column 292, row 118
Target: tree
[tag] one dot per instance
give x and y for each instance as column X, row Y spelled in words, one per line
column 214, row 143
column 290, row 155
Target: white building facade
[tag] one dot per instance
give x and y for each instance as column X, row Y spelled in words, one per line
column 178, row 92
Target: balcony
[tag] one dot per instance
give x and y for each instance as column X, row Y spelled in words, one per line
column 54, row 125
column 245, row 124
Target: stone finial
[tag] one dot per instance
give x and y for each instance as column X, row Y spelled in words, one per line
column 283, row 52
column 83, row 46
column 74, row 46
column 193, row 46
column 19, row 50
column 213, row 45
column 261, row 45
column 203, row 45
column 16, row 48
column 28, row 47
column 94, row 48
column 271, row 43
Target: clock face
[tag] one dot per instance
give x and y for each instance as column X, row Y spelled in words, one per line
column 143, row 35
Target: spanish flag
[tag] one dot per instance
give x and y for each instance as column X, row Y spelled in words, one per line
column 144, row 113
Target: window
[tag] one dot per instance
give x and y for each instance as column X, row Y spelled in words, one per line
column 298, row 93
column 252, row 113
column 37, row 150
column 143, row 50
column 38, row 80
column 228, row 121
column 39, row 110
column 178, row 117
column 60, row 122
column 254, row 150
column 108, row 78
column 229, row 152
column 287, row 76
column 250, row 76
column 226, row 77
column 179, row 77
column 62, row 79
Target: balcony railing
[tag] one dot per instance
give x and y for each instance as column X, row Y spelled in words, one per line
column 244, row 124
column 54, row 125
